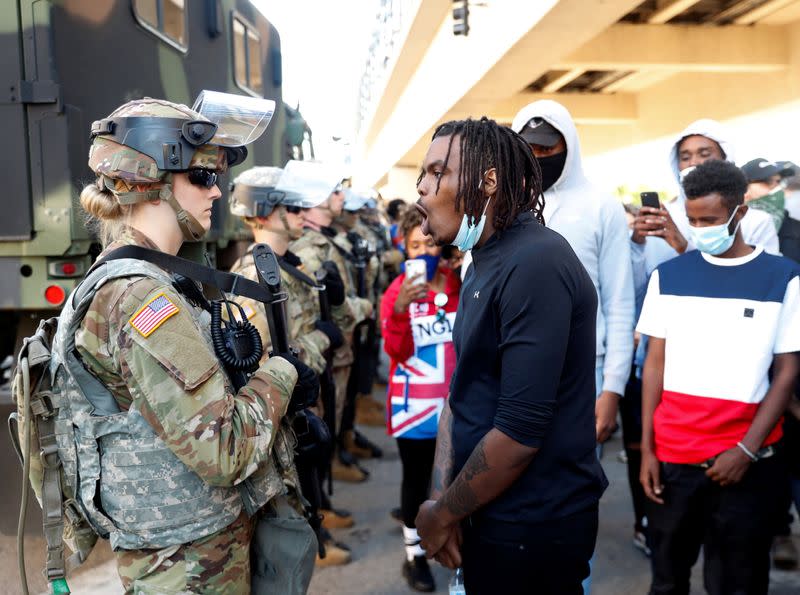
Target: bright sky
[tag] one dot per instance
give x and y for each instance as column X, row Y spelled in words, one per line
column 325, row 43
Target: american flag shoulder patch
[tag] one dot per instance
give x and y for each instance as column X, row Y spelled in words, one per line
column 153, row 314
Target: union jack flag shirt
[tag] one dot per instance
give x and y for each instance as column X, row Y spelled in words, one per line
column 419, row 343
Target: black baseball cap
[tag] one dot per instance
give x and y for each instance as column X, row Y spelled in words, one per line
column 759, row 170
column 539, row 131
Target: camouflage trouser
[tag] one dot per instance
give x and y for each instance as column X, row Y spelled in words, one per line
column 217, row 564
column 340, row 377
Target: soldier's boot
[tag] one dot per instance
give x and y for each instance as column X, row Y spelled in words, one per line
column 367, row 415
column 349, row 472
column 336, row 519
column 334, row 556
column 357, row 444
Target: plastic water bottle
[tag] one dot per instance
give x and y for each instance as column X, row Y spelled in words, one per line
column 457, row 583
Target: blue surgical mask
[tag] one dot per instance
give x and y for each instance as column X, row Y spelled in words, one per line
column 715, row 239
column 469, row 233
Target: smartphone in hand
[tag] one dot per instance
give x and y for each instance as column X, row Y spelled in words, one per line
column 415, row 267
column 650, row 199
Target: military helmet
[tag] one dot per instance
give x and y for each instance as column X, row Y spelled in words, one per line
column 253, row 192
column 305, row 184
column 145, row 138
column 139, row 145
column 355, row 200
column 118, row 152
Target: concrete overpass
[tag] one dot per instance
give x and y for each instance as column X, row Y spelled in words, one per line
column 629, row 71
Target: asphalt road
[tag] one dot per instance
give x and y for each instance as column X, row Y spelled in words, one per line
column 377, row 543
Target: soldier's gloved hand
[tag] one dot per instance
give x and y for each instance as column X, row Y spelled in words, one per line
column 333, row 283
column 306, row 391
column 332, row 332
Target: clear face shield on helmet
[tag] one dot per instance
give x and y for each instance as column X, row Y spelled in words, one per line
column 301, row 184
column 307, row 184
column 358, row 199
column 228, row 121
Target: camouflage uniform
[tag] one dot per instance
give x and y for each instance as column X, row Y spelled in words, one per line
column 314, row 248
column 343, row 226
column 302, row 311
column 174, row 379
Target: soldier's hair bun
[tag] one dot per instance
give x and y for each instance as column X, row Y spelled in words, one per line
column 105, row 215
column 100, row 204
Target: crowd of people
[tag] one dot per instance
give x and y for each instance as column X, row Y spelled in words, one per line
column 696, row 354
column 523, row 316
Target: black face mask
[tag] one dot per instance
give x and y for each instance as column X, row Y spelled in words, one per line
column 552, row 167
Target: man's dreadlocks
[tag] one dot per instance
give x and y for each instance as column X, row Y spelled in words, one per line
column 484, row 145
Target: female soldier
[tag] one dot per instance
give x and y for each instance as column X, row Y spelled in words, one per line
column 417, row 314
column 192, row 457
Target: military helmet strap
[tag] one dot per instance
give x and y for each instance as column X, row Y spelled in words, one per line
column 285, row 222
column 191, row 228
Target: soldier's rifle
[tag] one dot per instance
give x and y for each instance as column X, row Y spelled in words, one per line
column 365, row 332
column 327, row 382
column 311, row 433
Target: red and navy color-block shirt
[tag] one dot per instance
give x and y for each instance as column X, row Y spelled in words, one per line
column 723, row 319
column 420, row 346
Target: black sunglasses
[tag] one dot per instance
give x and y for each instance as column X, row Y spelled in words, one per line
column 294, row 210
column 198, row 176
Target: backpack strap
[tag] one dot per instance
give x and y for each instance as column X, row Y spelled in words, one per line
column 227, row 282
column 41, row 412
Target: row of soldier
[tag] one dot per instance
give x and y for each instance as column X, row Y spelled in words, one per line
column 326, row 236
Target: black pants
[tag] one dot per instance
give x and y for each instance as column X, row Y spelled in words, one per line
column 417, row 459
column 630, row 410
column 734, row 525
column 546, row 559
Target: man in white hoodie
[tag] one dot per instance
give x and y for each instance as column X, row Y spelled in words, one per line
column 668, row 227
column 594, row 224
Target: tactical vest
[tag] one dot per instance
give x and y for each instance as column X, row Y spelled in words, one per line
column 128, row 483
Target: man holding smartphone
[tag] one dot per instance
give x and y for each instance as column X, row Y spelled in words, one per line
column 661, row 232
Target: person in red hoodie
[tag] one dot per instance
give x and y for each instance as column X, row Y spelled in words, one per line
column 417, row 315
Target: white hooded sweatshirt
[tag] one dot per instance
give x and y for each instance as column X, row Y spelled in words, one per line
column 595, row 226
column 757, row 227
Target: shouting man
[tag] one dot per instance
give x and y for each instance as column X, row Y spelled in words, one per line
column 516, row 481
